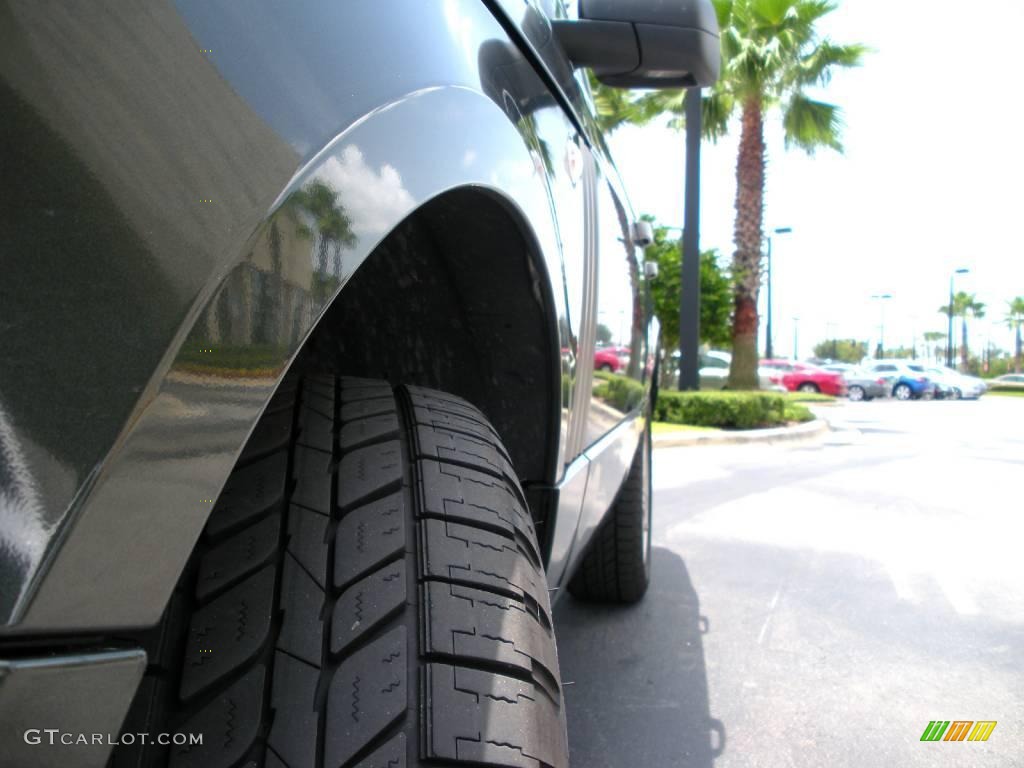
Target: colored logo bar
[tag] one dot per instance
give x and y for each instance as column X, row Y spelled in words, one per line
column 958, row 730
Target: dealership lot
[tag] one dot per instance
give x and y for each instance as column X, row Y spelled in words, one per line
column 819, row 604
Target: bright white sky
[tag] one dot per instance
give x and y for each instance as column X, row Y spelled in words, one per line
column 926, row 185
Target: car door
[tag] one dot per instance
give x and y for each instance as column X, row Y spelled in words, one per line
column 619, row 311
column 888, row 372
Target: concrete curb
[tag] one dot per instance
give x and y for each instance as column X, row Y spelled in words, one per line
column 808, row 431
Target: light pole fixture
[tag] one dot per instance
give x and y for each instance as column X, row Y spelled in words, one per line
column 881, row 325
column 768, row 324
column 949, row 307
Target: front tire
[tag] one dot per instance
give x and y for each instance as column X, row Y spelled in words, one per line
column 808, row 388
column 370, row 592
column 617, row 567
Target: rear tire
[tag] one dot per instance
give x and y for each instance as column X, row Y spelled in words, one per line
column 617, row 567
column 857, row 394
column 902, row 392
column 808, row 388
column 368, row 592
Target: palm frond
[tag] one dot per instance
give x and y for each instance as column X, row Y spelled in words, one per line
column 808, row 12
column 614, row 106
column 769, row 13
column 716, row 109
column 654, row 103
column 811, row 125
column 723, row 10
column 816, row 67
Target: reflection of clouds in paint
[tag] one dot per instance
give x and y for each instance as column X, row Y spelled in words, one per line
column 374, row 200
column 469, row 158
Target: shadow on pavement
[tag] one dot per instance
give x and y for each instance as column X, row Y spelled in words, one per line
column 639, row 693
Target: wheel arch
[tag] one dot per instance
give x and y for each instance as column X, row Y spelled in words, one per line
column 152, row 493
column 475, row 317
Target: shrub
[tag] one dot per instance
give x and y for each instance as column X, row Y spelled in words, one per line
column 621, row 393
column 809, row 397
column 798, row 413
column 725, row 410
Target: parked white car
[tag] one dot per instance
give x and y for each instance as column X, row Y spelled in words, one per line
column 714, row 371
column 960, row 385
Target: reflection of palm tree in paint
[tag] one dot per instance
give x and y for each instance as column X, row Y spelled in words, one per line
column 528, row 128
column 636, row 328
column 332, row 229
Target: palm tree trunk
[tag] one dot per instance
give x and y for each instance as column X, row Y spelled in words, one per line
column 964, row 356
column 1017, row 355
column 747, row 236
column 636, row 327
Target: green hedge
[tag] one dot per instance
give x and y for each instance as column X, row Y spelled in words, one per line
column 797, row 412
column 621, row 393
column 809, row 397
column 724, row 410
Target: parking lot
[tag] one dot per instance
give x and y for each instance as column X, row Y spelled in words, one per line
column 819, row 604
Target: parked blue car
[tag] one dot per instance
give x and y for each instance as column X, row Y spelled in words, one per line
column 906, row 383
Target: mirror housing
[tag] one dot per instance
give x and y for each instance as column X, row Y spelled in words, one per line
column 645, row 43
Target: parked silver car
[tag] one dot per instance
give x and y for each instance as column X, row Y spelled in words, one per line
column 1008, row 381
column 860, row 384
column 959, row 385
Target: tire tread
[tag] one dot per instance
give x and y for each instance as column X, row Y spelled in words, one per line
column 368, row 592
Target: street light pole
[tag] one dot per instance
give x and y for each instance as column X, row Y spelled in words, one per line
column 949, row 307
column 768, row 352
column 689, row 294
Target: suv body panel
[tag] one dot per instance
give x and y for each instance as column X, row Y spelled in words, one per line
column 211, row 123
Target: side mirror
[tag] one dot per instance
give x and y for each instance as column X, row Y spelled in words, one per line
column 645, row 43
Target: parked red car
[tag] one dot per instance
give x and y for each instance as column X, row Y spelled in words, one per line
column 801, row 377
column 610, row 359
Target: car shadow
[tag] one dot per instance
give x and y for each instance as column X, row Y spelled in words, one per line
column 636, row 684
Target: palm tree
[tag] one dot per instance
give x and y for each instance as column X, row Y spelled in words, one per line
column 614, row 106
column 965, row 306
column 771, row 55
column 932, row 339
column 1015, row 319
column 331, row 226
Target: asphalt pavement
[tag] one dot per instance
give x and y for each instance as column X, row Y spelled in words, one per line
column 819, row 604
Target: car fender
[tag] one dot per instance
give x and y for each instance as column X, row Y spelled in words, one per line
column 108, row 543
